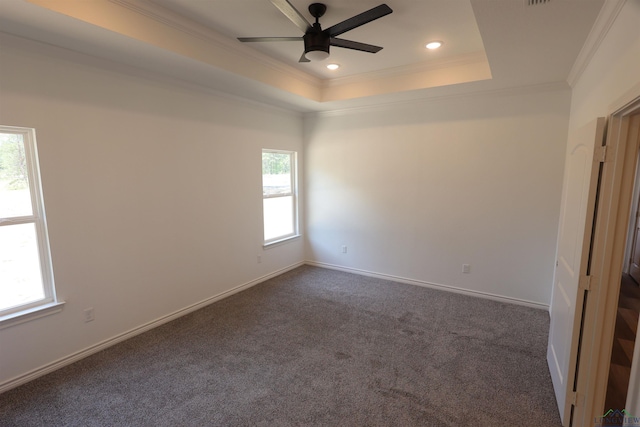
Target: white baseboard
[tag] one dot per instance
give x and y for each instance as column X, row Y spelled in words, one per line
column 447, row 288
column 53, row 366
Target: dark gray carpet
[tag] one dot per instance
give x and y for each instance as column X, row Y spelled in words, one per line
column 312, row 347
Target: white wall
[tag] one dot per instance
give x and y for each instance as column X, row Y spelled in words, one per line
column 152, row 191
column 612, row 76
column 417, row 190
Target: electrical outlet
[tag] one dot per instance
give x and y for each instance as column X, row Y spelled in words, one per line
column 344, row 249
column 89, row 315
column 259, row 259
column 466, row 268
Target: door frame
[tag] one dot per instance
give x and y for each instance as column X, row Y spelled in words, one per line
column 609, row 245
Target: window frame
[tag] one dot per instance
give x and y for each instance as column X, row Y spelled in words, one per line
column 293, row 194
column 49, row 304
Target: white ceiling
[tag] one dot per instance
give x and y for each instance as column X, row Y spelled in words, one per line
column 402, row 34
column 489, row 44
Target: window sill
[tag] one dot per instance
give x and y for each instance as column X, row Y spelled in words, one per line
column 30, row 314
column 279, row 242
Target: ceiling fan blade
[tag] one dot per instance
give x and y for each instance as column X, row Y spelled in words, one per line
column 348, row 44
column 292, row 13
column 358, row 20
column 303, row 58
column 269, row 39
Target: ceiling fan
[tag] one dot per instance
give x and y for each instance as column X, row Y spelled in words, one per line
column 316, row 40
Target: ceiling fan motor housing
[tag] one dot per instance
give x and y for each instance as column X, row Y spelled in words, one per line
column 315, row 40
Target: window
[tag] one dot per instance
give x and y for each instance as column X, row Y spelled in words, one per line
column 26, row 278
column 279, row 195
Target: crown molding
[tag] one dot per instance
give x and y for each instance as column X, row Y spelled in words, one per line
column 11, row 41
column 425, row 75
column 599, row 31
column 415, row 102
column 178, row 22
column 422, row 67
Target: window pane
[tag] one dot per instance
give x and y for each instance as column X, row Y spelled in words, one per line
column 276, row 173
column 15, row 199
column 20, row 277
column 278, row 217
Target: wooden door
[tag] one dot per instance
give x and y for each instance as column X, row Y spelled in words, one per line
column 570, row 288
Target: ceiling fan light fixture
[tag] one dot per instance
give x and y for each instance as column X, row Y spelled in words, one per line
column 434, row 44
column 316, row 55
column 316, row 45
column 333, row 66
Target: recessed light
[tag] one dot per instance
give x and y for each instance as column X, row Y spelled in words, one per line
column 434, row 45
column 333, row 66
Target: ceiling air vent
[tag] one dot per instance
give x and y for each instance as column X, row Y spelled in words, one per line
column 535, row 2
